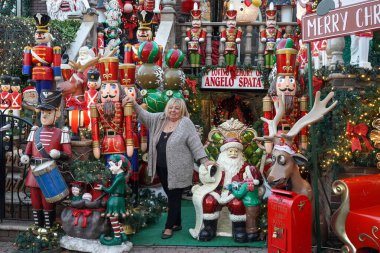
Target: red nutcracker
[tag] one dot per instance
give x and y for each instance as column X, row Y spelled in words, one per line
column 270, row 35
column 144, row 33
column 108, row 114
column 285, row 84
column 16, row 97
column 45, row 144
column 5, row 96
column 231, row 37
column 195, row 36
column 42, row 62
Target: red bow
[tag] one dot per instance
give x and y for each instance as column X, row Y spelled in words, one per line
column 317, row 84
column 78, row 212
column 192, row 84
column 354, row 132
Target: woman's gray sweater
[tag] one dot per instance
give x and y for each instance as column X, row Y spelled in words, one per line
column 183, row 146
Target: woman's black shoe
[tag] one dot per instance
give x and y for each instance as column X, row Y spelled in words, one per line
column 166, row 236
column 177, row 228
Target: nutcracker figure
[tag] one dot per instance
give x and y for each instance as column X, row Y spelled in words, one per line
column 91, row 95
column 270, row 35
column 231, row 37
column 30, row 101
column 108, row 114
column 16, row 99
column 45, row 143
column 144, row 33
column 284, row 83
column 5, row 95
column 194, row 37
column 42, row 62
column 286, row 7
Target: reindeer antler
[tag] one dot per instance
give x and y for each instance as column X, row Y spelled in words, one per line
column 279, row 105
column 317, row 112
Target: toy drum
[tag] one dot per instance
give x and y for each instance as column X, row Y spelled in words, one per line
column 230, row 46
column 193, row 46
column 51, row 182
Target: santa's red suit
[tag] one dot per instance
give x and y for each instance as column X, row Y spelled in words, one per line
column 51, row 138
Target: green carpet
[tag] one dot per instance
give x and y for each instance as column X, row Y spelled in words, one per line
column 152, row 234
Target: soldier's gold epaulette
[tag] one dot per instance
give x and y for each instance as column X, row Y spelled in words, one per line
column 27, row 49
column 128, row 45
column 57, row 50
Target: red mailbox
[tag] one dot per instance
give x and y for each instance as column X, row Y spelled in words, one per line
column 289, row 223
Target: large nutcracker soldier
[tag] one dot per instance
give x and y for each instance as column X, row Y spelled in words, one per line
column 194, row 36
column 45, row 143
column 42, row 62
column 108, row 113
column 144, row 33
column 231, row 37
column 270, row 35
column 284, row 83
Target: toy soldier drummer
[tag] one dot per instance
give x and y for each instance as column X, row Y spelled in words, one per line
column 42, row 62
column 194, row 36
column 45, row 143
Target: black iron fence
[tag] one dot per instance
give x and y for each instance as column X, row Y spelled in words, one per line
column 14, row 197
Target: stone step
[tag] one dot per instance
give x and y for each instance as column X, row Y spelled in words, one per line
column 9, row 229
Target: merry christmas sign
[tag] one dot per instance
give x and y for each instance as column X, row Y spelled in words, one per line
column 221, row 79
column 364, row 16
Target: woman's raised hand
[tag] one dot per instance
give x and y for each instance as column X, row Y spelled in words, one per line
column 128, row 99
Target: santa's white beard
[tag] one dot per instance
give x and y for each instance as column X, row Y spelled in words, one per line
column 230, row 166
column 84, row 60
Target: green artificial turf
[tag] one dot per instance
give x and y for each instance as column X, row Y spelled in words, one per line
column 152, row 234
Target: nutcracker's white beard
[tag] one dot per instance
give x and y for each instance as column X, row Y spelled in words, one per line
column 230, row 166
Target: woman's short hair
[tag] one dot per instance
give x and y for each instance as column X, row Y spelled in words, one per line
column 182, row 107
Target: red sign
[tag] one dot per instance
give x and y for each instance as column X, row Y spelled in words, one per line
column 220, row 78
column 361, row 17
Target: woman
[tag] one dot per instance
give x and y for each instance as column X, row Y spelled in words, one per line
column 173, row 146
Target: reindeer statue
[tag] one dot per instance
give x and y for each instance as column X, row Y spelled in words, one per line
column 284, row 172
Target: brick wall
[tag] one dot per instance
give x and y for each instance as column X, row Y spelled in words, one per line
column 38, row 6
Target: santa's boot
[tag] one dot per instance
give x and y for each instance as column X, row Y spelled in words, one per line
column 49, row 218
column 209, row 230
column 238, row 231
column 38, row 218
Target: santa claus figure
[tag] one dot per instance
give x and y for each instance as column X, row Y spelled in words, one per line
column 29, row 101
column 218, row 193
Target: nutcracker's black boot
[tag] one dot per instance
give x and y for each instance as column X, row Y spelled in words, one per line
column 209, row 230
column 238, row 231
column 38, row 218
column 252, row 237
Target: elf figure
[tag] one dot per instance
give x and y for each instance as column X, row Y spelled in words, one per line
column 16, row 96
column 270, row 35
column 248, row 191
column 42, row 62
column 120, row 167
column 194, row 37
column 76, row 190
column 231, row 37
